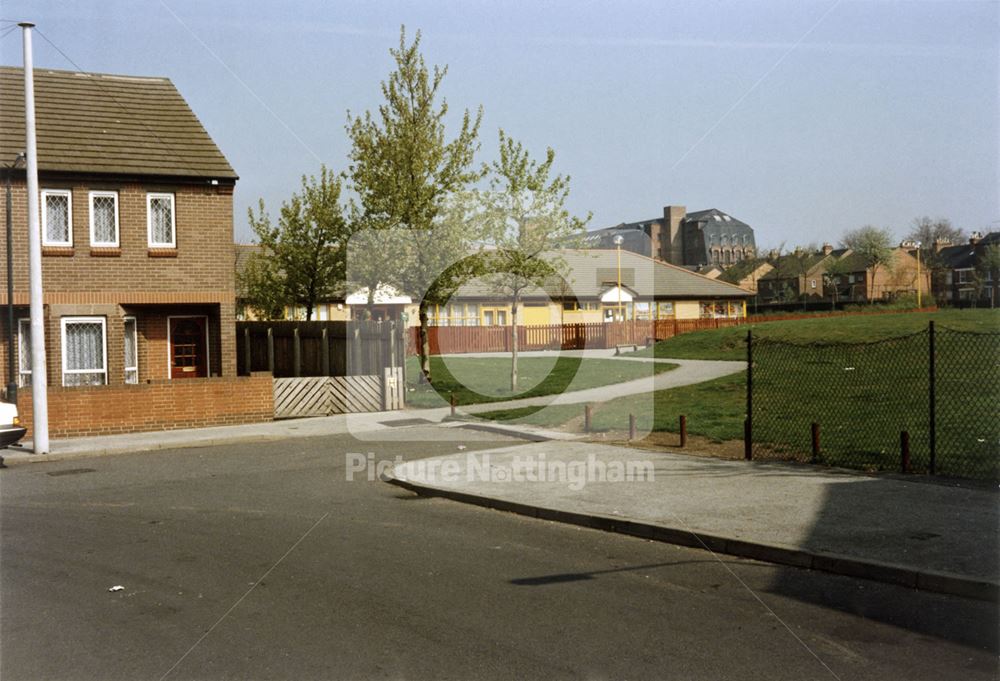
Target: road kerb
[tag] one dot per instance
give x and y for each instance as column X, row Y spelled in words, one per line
column 924, row 580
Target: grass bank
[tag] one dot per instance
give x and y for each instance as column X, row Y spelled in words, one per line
column 730, row 343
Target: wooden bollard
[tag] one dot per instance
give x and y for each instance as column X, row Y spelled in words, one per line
column 904, row 451
column 684, row 430
column 451, row 400
column 747, row 444
column 631, row 426
column 815, row 442
column 588, row 413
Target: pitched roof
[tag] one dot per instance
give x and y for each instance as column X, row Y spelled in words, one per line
column 790, row 266
column 592, row 271
column 98, row 123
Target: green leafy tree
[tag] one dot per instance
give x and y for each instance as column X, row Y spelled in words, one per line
column 526, row 220
column 874, row 246
column 403, row 169
column 302, row 259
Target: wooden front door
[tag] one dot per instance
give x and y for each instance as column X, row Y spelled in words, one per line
column 188, row 351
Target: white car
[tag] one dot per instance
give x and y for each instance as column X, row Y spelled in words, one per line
column 11, row 429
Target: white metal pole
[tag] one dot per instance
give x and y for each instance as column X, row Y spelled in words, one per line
column 39, row 379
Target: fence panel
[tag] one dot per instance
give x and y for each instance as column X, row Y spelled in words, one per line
column 332, row 348
column 864, row 395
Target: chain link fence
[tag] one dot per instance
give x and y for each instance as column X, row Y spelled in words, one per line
column 924, row 403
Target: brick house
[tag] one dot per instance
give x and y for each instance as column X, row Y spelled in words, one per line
column 959, row 278
column 137, row 256
column 797, row 276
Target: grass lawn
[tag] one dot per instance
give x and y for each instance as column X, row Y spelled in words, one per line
column 730, row 343
column 714, row 410
column 861, row 395
column 475, row 380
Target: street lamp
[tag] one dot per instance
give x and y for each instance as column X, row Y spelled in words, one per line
column 11, row 369
column 619, row 239
column 919, row 282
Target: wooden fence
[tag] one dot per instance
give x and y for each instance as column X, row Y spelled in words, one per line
column 290, row 349
column 326, row 395
column 445, row 340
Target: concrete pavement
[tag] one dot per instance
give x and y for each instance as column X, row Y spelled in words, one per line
column 914, row 532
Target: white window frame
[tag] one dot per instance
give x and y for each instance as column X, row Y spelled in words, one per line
column 149, row 219
column 135, row 341
column 69, row 216
column 23, row 375
column 90, row 201
column 66, row 321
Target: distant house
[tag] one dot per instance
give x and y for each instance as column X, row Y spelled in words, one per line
column 694, row 240
column 795, row 276
column 650, row 289
column 859, row 282
column 957, row 278
column 745, row 274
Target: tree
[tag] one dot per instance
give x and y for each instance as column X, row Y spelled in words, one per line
column 874, row 246
column 834, row 269
column 403, row 169
column 526, row 220
column 927, row 231
column 988, row 270
column 301, row 260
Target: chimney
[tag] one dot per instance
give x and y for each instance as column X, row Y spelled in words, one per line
column 827, row 249
column 974, row 238
column 673, row 241
column 940, row 243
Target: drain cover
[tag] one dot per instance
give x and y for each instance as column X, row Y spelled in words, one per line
column 399, row 423
column 72, row 471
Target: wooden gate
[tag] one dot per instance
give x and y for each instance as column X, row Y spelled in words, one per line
column 326, row 395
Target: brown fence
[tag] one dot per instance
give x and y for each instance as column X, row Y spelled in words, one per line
column 445, row 340
column 332, row 348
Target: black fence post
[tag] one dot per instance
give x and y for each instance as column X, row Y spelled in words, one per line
column 932, row 380
column 325, row 352
column 904, row 451
column 270, row 350
column 748, row 423
column 815, row 442
column 296, row 353
column 247, row 359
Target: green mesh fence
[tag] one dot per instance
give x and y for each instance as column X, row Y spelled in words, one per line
column 863, row 395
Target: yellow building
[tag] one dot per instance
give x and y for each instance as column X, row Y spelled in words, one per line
column 590, row 293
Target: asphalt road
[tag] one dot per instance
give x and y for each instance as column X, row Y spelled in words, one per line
column 264, row 562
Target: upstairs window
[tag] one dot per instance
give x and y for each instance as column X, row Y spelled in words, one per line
column 84, row 351
column 104, row 219
column 57, row 217
column 160, row 221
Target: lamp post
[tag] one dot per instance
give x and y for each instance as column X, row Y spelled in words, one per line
column 11, row 367
column 619, row 239
column 919, row 282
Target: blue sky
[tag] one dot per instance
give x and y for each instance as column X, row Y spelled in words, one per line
column 802, row 118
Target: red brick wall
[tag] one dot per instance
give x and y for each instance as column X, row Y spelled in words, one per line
column 158, row 405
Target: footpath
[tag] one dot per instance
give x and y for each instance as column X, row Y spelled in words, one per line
column 918, row 533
